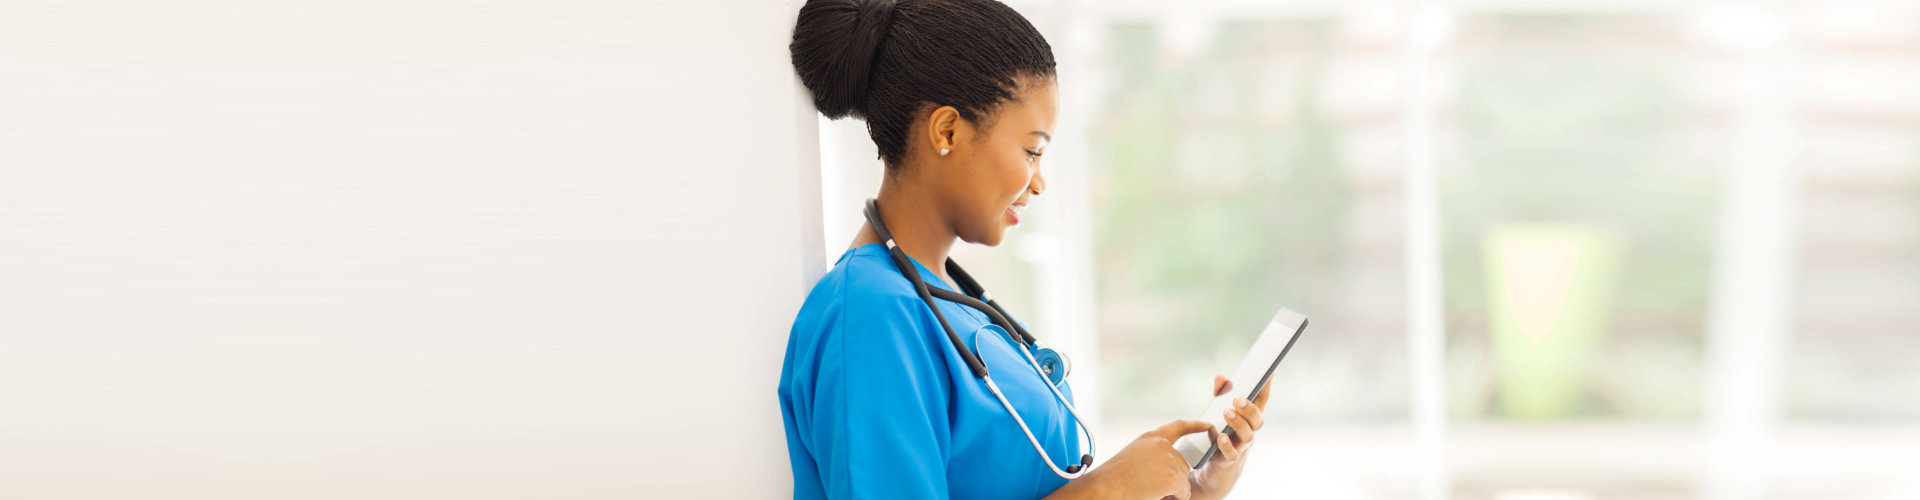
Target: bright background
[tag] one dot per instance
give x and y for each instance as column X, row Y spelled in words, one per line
column 414, row 249
column 1553, row 249
column 525, row 249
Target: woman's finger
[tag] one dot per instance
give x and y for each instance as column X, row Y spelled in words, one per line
column 1228, row 451
column 1254, row 415
column 1242, row 429
column 1173, row 430
column 1221, row 385
column 1264, row 392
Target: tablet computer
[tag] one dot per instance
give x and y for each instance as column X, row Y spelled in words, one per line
column 1248, row 380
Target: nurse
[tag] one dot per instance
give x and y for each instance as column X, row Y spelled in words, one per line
column 887, row 396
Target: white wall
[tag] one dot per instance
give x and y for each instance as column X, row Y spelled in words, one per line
column 372, row 249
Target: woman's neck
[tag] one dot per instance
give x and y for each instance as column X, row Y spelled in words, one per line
column 916, row 226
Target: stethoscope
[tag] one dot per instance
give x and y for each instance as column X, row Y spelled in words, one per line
column 1047, row 363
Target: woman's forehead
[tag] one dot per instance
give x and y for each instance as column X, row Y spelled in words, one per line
column 1034, row 111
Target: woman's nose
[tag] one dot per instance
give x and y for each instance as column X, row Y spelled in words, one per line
column 1038, row 184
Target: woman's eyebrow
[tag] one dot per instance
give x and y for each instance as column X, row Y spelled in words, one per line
column 1043, row 135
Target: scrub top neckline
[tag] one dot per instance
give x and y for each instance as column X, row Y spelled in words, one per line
column 926, row 275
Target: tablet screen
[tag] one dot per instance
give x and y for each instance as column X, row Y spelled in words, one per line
column 1254, row 370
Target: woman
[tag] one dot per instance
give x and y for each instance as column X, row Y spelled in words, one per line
column 879, row 399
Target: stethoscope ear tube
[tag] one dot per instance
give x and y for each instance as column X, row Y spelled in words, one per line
column 973, row 361
column 999, row 318
column 971, row 287
column 900, row 260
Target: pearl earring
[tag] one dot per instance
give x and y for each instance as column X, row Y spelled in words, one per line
column 943, row 151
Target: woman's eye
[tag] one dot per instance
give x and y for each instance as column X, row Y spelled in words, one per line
column 1032, row 155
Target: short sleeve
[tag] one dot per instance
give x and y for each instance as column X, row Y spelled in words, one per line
column 882, row 407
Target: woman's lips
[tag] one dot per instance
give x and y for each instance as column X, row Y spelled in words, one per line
column 1013, row 215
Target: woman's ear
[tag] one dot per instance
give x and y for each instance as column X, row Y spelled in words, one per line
column 941, row 127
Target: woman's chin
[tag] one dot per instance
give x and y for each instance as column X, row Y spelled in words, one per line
column 994, row 238
column 991, row 236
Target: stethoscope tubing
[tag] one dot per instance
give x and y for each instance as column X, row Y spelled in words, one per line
column 998, row 317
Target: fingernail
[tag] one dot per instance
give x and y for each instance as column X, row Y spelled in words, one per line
column 1240, row 403
column 1229, row 414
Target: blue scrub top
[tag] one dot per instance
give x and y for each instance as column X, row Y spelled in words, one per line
column 878, row 404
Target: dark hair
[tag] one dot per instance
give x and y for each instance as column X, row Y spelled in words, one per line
column 882, row 60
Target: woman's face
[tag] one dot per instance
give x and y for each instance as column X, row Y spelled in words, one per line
column 999, row 168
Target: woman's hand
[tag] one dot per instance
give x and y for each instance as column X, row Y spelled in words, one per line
column 1147, row 469
column 1218, row 475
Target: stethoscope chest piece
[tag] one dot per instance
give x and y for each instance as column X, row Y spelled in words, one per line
column 1053, row 365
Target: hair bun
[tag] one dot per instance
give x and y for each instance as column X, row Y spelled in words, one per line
column 834, row 42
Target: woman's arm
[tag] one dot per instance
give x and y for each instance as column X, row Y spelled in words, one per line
column 873, row 415
column 1079, row 489
column 1147, row 469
